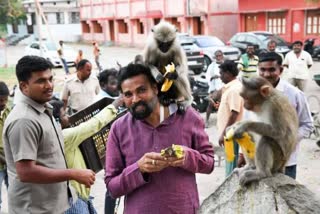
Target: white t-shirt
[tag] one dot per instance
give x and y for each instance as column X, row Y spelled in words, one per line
column 216, row 83
column 298, row 66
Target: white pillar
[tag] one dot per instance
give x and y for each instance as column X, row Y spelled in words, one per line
column 66, row 17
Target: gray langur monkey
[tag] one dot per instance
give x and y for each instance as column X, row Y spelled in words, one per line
column 162, row 49
column 277, row 128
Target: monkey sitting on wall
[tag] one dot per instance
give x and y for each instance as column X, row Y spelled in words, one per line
column 162, row 49
column 277, row 128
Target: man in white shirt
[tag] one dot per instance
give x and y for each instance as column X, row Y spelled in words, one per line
column 80, row 91
column 215, row 83
column 298, row 63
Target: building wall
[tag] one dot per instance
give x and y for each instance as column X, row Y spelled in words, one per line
column 68, row 30
column 295, row 16
column 65, row 32
column 191, row 16
column 254, row 5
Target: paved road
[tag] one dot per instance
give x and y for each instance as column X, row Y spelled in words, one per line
column 308, row 166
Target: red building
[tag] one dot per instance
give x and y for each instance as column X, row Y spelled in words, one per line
column 130, row 21
column 291, row 19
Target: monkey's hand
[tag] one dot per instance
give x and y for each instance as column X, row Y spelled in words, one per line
column 239, row 128
column 171, row 75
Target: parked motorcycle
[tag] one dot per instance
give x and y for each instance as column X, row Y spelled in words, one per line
column 309, row 46
column 200, row 94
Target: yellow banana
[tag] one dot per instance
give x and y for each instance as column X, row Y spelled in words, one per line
column 228, row 145
column 168, row 83
column 173, row 151
column 246, row 143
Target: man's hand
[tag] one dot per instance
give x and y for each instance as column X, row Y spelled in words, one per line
column 118, row 102
column 241, row 161
column 84, row 176
column 152, row 162
column 216, row 105
column 176, row 162
column 221, row 140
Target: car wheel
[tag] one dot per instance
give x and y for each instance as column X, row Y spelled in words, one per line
column 197, row 71
column 206, row 63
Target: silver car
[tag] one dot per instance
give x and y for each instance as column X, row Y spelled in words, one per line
column 210, row 44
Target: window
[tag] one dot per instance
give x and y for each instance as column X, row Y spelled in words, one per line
column 277, row 23
column 140, row 28
column 156, row 21
column 35, row 46
column 122, row 26
column 85, row 27
column 75, row 18
column 252, row 40
column 241, row 38
column 97, row 28
column 313, row 22
column 60, row 18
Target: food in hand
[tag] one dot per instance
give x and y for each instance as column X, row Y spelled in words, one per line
column 173, row 151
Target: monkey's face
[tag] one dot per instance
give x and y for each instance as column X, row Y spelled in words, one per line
column 251, row 99
column 164, row 47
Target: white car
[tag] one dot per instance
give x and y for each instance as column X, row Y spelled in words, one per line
column 50, row 52
column 210, row 44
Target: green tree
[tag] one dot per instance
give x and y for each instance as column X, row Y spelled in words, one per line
column 11, row 11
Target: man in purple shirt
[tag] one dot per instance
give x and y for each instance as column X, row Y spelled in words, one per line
column 135, row 168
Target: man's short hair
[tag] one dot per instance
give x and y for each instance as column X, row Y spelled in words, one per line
column 230, row 67
column 82, row 63
column 272, row 42
column 29, row 64
column 4, row 90
column 133, row 70
column 105, row 74
column 298, row 42
column 270, row 56
column 251, row 45
column 218, row 52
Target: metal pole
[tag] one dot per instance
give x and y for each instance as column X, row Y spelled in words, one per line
column 39, row 22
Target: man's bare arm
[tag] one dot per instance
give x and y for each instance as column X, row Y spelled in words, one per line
column 28, row 171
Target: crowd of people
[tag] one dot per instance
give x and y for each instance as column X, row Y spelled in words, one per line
column 45, row 171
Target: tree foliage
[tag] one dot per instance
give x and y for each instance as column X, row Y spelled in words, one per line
column 10, row 11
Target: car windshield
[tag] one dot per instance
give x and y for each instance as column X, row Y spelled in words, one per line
column 266, row 38
column 209, row 42
column 50, row 46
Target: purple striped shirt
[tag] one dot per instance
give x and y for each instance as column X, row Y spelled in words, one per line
column 172, row 190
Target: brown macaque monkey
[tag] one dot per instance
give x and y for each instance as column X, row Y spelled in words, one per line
column 162, row 49
column 277, row 129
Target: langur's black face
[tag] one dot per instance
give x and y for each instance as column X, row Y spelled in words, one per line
column 164, row 46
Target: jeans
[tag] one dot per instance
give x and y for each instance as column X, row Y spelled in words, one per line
column 82, row 207
column 3, row 177
column 65, row 65
column 230, row 166
column 291, row 171
column 98, row 63
column 109, row 204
